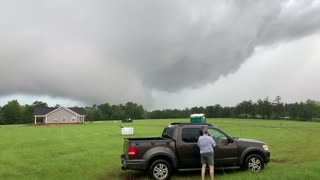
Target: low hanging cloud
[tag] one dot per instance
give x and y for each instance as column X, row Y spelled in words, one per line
column 119, row 51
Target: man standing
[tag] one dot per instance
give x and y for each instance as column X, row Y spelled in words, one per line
column 206, row 145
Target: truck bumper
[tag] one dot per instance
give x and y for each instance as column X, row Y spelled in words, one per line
column 267, row 156
column 132, row 164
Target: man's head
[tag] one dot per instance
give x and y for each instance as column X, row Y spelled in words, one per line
column 205, row 130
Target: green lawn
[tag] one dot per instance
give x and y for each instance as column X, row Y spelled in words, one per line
column 92, row 151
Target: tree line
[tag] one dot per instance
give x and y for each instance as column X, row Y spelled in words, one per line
column 14, row 113
column 261, row 109
column 115, row 112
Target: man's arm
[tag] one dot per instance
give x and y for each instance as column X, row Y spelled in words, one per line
column 213, row 142
column 199, row 142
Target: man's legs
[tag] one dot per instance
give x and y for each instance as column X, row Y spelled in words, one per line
column 211, row 171
column 203, row 171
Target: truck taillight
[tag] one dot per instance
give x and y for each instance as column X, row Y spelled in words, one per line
column 132, row 151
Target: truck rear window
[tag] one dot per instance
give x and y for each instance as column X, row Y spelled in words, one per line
column 167, row 133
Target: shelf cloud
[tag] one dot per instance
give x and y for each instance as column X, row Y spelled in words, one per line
column 118, row 51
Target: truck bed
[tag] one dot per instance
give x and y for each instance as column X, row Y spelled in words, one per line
column 145, row 139
column 147, row 143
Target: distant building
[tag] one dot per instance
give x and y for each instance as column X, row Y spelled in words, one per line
column 59, row 115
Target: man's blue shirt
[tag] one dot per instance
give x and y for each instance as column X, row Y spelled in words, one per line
column 206, row 144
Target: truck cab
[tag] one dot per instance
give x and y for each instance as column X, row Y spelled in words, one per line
column 226, row 150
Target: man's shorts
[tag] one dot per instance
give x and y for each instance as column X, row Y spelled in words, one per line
column 207, row 158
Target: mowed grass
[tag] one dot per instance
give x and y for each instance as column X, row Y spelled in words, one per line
column 92, row 150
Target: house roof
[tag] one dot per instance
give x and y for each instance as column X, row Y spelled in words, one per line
column 47, row 110
column 78, row 110
column 43, row 110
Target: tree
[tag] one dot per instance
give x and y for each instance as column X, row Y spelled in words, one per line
column 105, row 110
column 1, row 118
column 264, row 108
column 245, row 109
column 185, row 113
column 39, row 104
column 118, row 112
column 27, row 114
column 277, row 108
column 134, row 110
column 156, row 114
column 197, row 110
column 309, row 110
column 93, row 113
column 228, row 112
column 317, row 110
column 292, row 110
column 215, row 111
column 12, row 113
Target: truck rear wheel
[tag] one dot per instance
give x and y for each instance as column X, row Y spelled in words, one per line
column 160, row 170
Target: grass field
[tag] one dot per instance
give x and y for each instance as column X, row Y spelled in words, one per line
column 92, row 151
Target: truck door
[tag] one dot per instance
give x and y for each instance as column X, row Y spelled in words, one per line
column 225, row 152
column 187, row 148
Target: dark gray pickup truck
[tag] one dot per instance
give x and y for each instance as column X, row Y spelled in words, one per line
column 177, row 150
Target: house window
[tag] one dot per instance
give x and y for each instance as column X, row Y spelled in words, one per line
column 73, row 118
column 63, row 118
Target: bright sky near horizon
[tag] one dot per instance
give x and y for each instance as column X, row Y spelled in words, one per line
column 161, row 54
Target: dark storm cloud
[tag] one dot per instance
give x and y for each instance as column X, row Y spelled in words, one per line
column 118, row 51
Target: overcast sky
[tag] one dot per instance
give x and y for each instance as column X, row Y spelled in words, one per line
column 161, row 54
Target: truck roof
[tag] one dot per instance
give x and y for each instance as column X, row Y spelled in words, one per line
column 189, row 124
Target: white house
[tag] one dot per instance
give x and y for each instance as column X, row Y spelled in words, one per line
column 58, row 115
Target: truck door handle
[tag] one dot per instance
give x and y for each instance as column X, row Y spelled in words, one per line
column 183, row 147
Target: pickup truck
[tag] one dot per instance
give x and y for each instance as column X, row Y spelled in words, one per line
column 177, row 150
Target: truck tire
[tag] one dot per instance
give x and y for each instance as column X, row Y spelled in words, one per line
column 160, row 170
column 254, row 163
